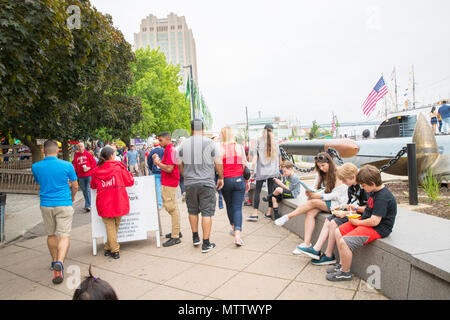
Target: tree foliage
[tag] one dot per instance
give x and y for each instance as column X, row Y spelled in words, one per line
column 62, row 83
column 157, row 84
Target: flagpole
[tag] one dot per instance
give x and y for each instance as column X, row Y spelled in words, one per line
column 396, row 95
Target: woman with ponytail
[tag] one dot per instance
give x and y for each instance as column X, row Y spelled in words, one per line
column 266, row 157
column 93, row 288
column 111, row 178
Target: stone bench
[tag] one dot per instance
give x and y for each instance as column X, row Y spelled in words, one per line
column 414, row 261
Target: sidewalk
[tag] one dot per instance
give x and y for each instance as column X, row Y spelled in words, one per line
column 264, row 269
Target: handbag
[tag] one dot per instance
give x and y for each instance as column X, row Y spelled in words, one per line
column 247, row 173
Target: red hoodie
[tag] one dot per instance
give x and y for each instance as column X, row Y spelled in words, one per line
column 81, row 159
column 110, row 180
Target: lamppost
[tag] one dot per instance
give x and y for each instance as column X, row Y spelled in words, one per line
column 192, row 91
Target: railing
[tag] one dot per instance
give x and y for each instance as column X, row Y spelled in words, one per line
column 18, row 181
column 15, row 160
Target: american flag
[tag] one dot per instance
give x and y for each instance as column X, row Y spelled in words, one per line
column 377, row 93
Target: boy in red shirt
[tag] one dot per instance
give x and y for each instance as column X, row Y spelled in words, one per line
column 84, row 163
column 170, row 178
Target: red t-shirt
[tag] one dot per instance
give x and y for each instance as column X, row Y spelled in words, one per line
column 170, row 158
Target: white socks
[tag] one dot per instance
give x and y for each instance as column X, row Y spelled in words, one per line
column 281, row 221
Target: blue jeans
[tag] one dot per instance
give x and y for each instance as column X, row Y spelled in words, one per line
column 220, row 194
column 446, row 125
column 85, row 185
column 158, row 188
column 233, row 192
column 182, row 188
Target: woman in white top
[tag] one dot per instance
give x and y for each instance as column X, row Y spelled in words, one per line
column 334, row 195
column 267, row 159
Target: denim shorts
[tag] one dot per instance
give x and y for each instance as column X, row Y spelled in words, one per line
column 201, row 199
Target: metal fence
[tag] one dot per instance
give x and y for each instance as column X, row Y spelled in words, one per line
column 18, row 181
column 11, row 158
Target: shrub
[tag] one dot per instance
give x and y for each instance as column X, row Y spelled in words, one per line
column 431, row 185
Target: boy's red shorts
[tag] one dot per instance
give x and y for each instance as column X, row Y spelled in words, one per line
column 356, row 237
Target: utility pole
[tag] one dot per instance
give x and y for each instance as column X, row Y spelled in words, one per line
column 192, row 91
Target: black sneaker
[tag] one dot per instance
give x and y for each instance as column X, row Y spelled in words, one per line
column 334, row 269
column 252, row 218
column 107, row 253
column 339, row 276
column 169, row 235
column 115, row 255
column 208, row 247
column 268, row 216
column 265, row 199
column 196, row 240
column 171, row 242
column 87, row 210
column 276, row 215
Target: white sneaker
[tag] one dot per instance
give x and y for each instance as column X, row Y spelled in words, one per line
column 281, row 221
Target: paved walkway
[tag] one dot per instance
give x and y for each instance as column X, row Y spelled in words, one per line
column 264, row 269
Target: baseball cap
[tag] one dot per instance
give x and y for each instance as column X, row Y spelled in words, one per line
column 268, row 126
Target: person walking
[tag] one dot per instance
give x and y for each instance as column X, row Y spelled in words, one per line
column 58, row 186
column 444, row 111
column 199, row 159
column 170, row 177
column 132, row 159
column 84, row 163
column 143, row 160
column 215, row 138
column 266, row 157
column 110, row 178
column 156, row 171
column 235, row 186
column 434, row 118
column 182, row 188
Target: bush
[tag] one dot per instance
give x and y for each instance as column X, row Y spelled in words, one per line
column 431, row 185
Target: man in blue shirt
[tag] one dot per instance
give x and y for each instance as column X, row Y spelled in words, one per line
column 156, row 171
column 133, row 160
column 444, row 111
column 58, row 182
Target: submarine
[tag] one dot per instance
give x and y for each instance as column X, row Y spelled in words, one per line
column 432, row 152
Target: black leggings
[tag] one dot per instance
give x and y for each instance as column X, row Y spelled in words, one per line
column 259, row 184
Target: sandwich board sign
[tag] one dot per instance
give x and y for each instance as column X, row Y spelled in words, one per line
column 143, row 216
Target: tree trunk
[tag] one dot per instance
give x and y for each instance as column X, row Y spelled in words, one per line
column 65, row 149
column 36, row 150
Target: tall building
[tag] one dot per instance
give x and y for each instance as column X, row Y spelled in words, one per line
column 174, row 39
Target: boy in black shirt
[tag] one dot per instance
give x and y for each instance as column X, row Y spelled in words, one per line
column 376, row 222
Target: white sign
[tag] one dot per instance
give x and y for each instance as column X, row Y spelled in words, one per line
column 143, row 216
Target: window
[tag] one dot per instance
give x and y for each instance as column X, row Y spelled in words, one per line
column 172, row 27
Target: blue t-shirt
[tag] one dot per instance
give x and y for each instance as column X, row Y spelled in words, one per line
column 160, row 152
column 444, row 110
column 132, row 157
column 53, row 176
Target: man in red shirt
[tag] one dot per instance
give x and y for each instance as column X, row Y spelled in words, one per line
column 84, row 163
column 170, row 178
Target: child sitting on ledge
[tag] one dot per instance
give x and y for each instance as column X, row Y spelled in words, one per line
column 290, row 190
column 376, row 222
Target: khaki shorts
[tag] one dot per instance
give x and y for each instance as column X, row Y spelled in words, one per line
column 57, row 220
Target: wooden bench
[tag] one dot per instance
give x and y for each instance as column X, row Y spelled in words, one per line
column 414, row 260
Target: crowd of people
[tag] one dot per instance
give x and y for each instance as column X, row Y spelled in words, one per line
column 440, row 118
column 201, row 167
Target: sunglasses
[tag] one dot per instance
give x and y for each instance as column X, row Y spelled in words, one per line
column 320, row 158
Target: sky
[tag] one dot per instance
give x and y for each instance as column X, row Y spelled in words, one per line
column 302, row 60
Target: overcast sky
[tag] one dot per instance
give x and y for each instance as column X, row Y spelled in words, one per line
column 304, row 59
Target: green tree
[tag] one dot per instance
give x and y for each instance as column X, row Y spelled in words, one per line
column 157, row 84
column 59, row 82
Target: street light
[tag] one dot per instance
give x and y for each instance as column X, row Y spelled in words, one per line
column 192, row 91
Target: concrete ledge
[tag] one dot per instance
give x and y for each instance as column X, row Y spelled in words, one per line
column 414, row 260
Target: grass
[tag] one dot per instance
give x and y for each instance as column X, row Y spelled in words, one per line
column 431, row 186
